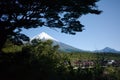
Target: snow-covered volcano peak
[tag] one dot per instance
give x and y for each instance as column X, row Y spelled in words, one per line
column 43, row 36
column 62, row 47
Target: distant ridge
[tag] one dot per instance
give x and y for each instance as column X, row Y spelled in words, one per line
column 108, row 50
column 62, row 46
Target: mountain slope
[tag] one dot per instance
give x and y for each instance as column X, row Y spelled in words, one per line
column 43, row 36
column 108, row 50
column 62, row 46
column 66, row 48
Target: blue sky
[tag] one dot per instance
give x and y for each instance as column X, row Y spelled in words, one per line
column 100, row 30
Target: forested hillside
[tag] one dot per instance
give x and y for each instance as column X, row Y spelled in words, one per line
column 40, row 60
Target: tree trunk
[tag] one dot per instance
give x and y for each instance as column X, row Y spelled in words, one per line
column 3, row 38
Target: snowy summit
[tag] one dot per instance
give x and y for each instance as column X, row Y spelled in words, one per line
column 62, row 46
column 43, row 36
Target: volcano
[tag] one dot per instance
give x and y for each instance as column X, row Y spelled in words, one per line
column 62, row 46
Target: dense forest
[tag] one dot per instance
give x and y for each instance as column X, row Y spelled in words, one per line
column 40, row 60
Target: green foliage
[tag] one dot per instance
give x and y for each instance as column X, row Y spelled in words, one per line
column 92, row 56
column 12, row 49
column 112, row 73
column 9, row 47
column 40, row 60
